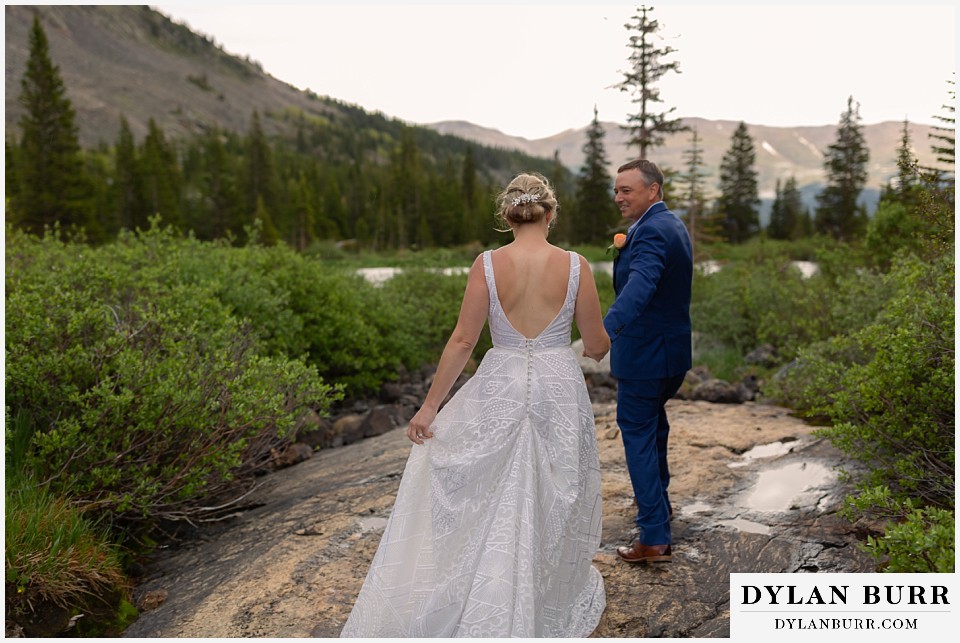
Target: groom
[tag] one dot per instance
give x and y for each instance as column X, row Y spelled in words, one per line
column 649, row 329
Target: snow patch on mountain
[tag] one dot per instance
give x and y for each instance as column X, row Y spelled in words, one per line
column 810, row 146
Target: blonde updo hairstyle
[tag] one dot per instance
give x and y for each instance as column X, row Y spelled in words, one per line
column 527, row 199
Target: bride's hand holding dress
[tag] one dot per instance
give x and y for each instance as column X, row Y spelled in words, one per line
column 459, row 348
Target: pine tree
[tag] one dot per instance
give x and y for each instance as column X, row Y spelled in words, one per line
column 12, row 175
column 596, row 215
column 739, row 199
column 944, row 146
column 647, row 127
column 443, row 204
column 160, row 176
column 407, row 175
column 468, row 187
column 789, row 218
column 566, row 214
column 903, row 188
column 838, row 214
column 906, row 164
column 262, row 219
column 52, row 184
column 261, row 180
column 777, row 227
column 693, row 198
column 128, row 203
column 219, row 189
column 334, row 210
column 944, row 136
column 303, row 216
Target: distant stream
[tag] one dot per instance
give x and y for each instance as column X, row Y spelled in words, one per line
column 378, row 276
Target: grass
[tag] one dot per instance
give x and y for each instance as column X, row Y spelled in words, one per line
column 725, row 363
column 52, row 552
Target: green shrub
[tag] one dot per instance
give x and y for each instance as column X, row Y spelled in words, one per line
column 888, row 390
column 889, row 386
column 923, row 542
column 764, row 299
column 346, row 331
column 917, row 539
column 723, row 362
column 146, row 396
column 891, row 230
column 425, row 306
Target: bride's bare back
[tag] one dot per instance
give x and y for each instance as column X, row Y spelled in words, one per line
column 531, row 284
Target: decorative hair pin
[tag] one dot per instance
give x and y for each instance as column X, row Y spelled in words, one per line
column 525, row 198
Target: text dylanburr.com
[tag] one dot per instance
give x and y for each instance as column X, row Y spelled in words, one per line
column 843, row 607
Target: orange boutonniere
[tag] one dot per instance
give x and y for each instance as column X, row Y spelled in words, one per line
column 619, row 240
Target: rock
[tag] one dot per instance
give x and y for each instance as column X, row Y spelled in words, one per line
column 785, row 370
column 701, row 373
column 716, row 391
column 765, row 356
column 42, row 618
column 12, row 630
column 411, row 400
column 390, row 392
column 346, row 429
column 748, row 388
column 314, row 431
column 603, row 394
column 152, row 600
column 401, row 413
column 294, row 566
column 691, row 380
column 612, row 434
column 361, row 406
column 600, row 379
column 377, row 422
column 588, row 365
column 290, row 455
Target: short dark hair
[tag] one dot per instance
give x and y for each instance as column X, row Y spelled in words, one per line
column 651, row 173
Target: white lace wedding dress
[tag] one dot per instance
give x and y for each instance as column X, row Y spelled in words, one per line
column 497, row 518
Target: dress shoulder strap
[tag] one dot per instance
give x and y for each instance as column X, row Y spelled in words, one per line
column 574, row 284
column 488, row 276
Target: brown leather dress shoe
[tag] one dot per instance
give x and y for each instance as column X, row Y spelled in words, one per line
column 638, row 553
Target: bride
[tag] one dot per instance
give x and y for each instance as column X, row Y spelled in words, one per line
column 497, row 518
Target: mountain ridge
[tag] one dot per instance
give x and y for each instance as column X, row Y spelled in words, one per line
column 137, row 62
column 781, row 151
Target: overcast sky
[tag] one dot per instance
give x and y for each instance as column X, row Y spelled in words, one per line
column 537, row 68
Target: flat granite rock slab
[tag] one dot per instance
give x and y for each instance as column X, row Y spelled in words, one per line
column 292, row 566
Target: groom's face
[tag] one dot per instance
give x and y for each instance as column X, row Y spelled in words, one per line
column 633, row 195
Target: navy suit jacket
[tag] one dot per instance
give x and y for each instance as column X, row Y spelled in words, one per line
column 649, row 321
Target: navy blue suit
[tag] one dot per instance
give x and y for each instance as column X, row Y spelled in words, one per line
column 650, row 352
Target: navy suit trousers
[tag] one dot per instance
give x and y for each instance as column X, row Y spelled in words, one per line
column 644, row 429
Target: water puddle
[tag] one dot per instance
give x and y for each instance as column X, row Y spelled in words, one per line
column 745, row 525
column 763, row 451
column 787, row 486
column 696, row 507
column 372, row 523
column 807, row 268
column 377, row 276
